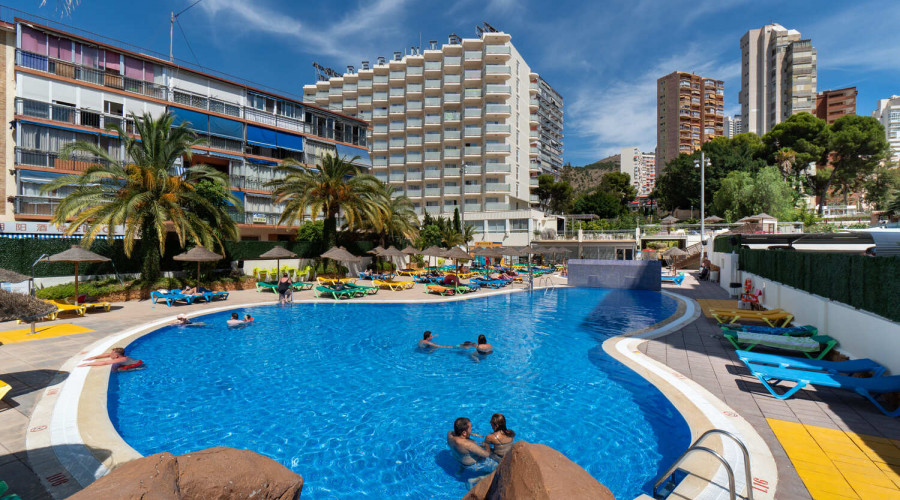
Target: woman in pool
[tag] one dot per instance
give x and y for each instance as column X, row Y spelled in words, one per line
column 501, row 440
column 482, row 346
column 182, row 319
column 285, row 287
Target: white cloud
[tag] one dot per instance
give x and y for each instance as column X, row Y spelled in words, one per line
column 623, row 112
column 344, row 39
column 860, row 36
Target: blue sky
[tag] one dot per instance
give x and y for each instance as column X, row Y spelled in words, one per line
column 604, row 57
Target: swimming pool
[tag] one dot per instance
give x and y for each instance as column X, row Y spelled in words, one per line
column 340, row 394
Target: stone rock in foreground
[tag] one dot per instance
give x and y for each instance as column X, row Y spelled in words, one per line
column 215, row 473
column 538, row 472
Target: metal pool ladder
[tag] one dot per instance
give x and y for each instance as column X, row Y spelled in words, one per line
column 732, row 494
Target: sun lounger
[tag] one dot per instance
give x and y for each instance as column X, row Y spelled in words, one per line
column 4, row 388
column 173, row 296
column 262, row 286
column 775, row 317
column 370, row 290
column 64, row 307
column 747, row 341
column 794, row 331
column 409, row 272
column 212, row 295
column 868, row 388
column 440, row 290
column 674, row 279
column 850, row 367
column 302, row 285
column 81, row 300
column 394, row 285
column 335, row 293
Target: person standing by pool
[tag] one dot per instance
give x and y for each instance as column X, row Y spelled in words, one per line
column 426, row 341
column 285, row 287
column 500, row 441
column 470, row 456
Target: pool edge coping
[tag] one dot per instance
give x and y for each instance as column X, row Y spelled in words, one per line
column 701, row 410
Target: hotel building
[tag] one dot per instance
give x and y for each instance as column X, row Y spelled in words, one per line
column 689, row 111
column 833, row 104
column 778, row 77
column 454, row 127
column 61, row 87
column 642, row 169
column 888, row 113
column 549, row 129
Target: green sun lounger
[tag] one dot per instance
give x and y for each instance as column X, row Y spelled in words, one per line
column 868, row 388
column 262, row 286
column 303, row 285
column 369, row 290
column 807, row 345
column 849, row 367
column 347, row 293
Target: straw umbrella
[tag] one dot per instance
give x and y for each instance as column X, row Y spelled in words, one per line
column 278, row 253
column 198, row 255
column 669, row 220
column 433, row 251
column 7, row 276
column 392, row 252
column 456, row 254
column 339, row 254
column 76, row 255
column 713, row 219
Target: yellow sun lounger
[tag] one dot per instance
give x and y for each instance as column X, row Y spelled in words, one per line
column 90, row 305
column 775, row 317
column 394, row 285
column 62, row 307
column 409, row 272
column 4, row 388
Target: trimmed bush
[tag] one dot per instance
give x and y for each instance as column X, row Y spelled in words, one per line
column 867, row 283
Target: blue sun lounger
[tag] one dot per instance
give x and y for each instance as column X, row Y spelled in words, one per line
column 793, row 331
column 850, row 367
column 174, row 295
column 869, row 388
column 673, row 279
column 212, row 295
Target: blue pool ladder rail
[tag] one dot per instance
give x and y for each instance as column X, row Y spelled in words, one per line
column 732, row 494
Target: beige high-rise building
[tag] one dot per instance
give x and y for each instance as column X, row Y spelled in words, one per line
column 887, row 112
column 689, row 111
column 642, row 169
column 778, row 77
column 454, row 127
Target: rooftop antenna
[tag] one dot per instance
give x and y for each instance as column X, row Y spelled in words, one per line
column 172, row 26
column 433, row 44
column 365, row 65
column 380, row 59
column 488, row 27
column 479, row 31
column 397, row 55
column 351, row 69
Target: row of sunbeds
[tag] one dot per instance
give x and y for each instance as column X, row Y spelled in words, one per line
column 73, row 305
column 862, row 376
column 173, row 297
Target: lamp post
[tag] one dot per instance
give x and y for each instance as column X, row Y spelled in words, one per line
column 703, row 162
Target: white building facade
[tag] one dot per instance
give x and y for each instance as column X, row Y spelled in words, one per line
column 453, row 127
column 887, row 112
column 641, row 167
column 549, row 129
column 778, row 77
column 733, row 126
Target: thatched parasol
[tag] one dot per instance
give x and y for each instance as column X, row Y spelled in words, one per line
column 376, row 251
column 392, row 253
column 23, row 307
column 198, row 255
column 434, row 251
column 669, row 220
column 7, row 276
column 278, row 253
column 410, row 250
column 674, row 252
column 457, row 254
column 712, row 219
column 340, row 254
column 76, row 255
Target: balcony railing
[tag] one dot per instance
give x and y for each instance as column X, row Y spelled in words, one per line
column 72, row 115
column 451, row 153
column 497, row 89
column 414, row 176
column 473, row 131
column 495, row 207
column 47, row 159
column 496, row 187
column 432, row 191
column 497, row 168
column 496, row 69
column 497, row 148
column 451, row 172
column 452, row 135
column 496, row 49
column 473, row 150
column 36, row 205
column 451, row 190
column 473, row 189
column 432, row 174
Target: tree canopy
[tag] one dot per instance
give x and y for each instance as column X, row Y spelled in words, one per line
column 743, row 193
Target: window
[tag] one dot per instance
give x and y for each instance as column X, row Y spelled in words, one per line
column 112, row 108
column 518, row 225
column 496, row 226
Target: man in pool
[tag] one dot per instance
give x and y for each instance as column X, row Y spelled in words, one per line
column 427, row 343
column 116, row 357
column 471, row 457
column 236, row 320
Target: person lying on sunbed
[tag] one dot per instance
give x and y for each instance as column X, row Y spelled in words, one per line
column 116, row 357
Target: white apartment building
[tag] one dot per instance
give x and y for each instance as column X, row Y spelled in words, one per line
column 778, row 77
column 733, row 126
column 549, row 130
column 641, row 167
column 452, row 127
column 888, row 113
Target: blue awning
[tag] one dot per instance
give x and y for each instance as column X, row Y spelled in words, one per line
column 37, row 176
column 348, row 152
column 290, row 142
column 226, row 128
column 257, row 161
column 260, row 136
column 197, row 122
column 200, row 152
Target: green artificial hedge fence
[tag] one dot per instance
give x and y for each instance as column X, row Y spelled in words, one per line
column 19, row 254
column 868, row 283
column 722, row 244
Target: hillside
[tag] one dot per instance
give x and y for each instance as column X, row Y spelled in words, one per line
column 586, row 178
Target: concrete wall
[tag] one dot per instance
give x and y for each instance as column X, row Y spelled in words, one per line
column 860, row 334
column 629, row 274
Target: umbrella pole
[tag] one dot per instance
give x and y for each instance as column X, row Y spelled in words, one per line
column 76, row 282
column 198, row 274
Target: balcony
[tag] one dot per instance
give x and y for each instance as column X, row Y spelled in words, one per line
column 473, row 55
column 91, row 75
column 452, row 135
column 451, row 116
column 395, row 144
column 414, row 157
column 451, row 153
column 501, row 50
column 432, row 65
column 397, row 160
column 473, row 75
column 36, row 205
column 432, row 119
column 52, row 160
column 414, row 88
column 473, row 94
column 433, row 209
column 497, row 70
column 451, row 191
column 413, row 123
column 72, row 115
column 432, row 156
column 533, row 182
column 472, row 207
column 414, row 176
column 414, row 106
column 396, row 177
column 496, row 207
column 380, row 128
column 414, row 71
column 397, row 109
column 432, row 137
column 473, row 113
column 473, row 151
column 397, row 126
column 451, row 80
column 397, row 92
column 473, row 189
column 497, row 168
column 432, row 192
column 498, row 89
column 496, row 187
column 379, row 161
column 379, row 113
column 534, row 198
column 413, row 141
column 197, row 101
column 451, row 98
column 451, row 172
column 380, row 80
column 432, row 174
column 452, row 61
column 473, row 131
column 432, row 102
column 497, row 148
column 473, row 170
column 380, row 96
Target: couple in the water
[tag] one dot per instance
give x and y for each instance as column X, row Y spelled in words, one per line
column 481, row 346
column 478, row 460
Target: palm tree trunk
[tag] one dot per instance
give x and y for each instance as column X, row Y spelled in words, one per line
column 150, row 255
column 329, row 229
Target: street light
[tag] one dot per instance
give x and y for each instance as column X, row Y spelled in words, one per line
column 702, row 163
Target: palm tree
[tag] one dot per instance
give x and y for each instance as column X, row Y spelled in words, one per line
column 398, row 218
column 143, row 194
column 786, row 157
column 452, row 238
column 337, row 186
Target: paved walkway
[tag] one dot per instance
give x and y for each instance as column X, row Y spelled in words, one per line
column 700, row 352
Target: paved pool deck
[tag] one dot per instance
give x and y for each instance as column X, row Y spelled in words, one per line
column 696, row 350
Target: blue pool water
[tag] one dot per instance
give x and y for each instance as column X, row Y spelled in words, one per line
column 339, row 393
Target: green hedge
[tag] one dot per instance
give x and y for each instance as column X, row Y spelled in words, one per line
column 867, row 283
column 19, row 254
column 722, row 244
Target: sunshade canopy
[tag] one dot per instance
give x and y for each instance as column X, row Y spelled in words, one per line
column 457, row 253
column 340, row 254
column 433, row 251
column 377, row 250
column 410, row 250
column 669, row 220
column 77, row 254
column 7, row 276
column 713, row 219
column 198, row 254
column 674, row 252
column 278, row 253
column 391, row 252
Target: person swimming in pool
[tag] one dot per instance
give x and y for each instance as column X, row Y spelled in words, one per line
column 473, row 459
column 182, row 319
column 236, row 321
column 248, row 318
column 501, row 440
column 115, row 357
column 426, row 341
column 482, row 346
